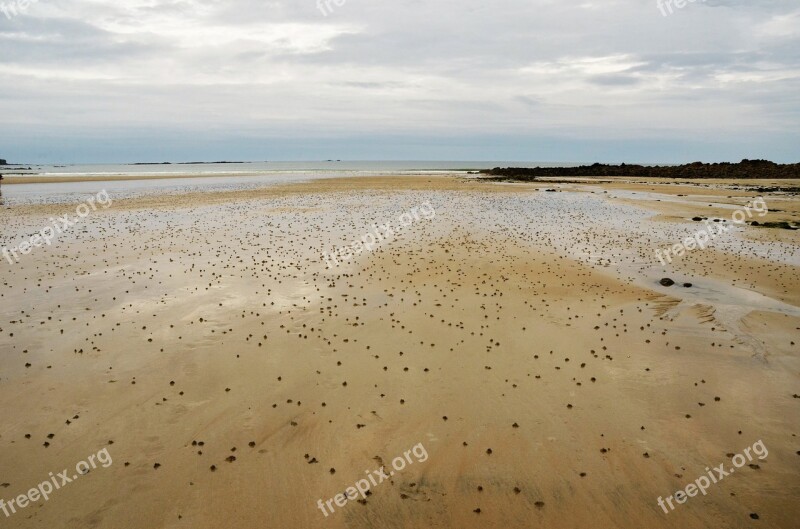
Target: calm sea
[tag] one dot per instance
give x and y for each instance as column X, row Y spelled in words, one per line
column 210, row 176
column 383, row 167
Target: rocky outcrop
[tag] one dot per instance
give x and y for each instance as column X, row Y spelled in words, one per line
column 744, row 169
column 2, row 162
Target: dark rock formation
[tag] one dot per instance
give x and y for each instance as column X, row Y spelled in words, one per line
column 744, row 169
column 783, row 225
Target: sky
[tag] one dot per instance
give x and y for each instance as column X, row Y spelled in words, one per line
column 540, row 80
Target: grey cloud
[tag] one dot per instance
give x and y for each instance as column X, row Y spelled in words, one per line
column 403, row 66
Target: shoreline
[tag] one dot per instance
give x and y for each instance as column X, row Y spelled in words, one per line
column 79, row 178
column 597, row 179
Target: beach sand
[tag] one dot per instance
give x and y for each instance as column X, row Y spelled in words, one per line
column 520, row 335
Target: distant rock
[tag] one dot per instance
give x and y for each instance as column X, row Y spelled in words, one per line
column 3, row 162
column 667, row 282
column 742, row 170
column 783, row 225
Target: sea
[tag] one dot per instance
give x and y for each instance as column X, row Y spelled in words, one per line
column 218, row 176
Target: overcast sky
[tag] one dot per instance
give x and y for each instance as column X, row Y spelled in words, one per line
column 544, row 80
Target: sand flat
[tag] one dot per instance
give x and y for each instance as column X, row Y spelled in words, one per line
column 525, row 322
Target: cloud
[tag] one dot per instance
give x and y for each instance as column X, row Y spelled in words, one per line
column 454, row 69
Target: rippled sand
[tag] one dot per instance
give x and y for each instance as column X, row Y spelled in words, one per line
column 521, row 336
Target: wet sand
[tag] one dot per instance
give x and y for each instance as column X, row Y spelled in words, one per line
column 36, row 179
column 520, row 335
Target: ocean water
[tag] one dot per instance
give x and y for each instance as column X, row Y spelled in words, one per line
column 209, row 176
column 253, row 168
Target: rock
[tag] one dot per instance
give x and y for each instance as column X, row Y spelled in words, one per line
column 783, row 225
column 667, row 282
column 746, row 169
column 687, row 285
column 697, row 219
